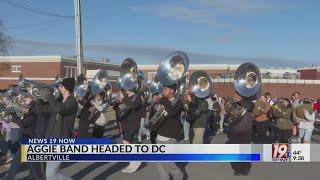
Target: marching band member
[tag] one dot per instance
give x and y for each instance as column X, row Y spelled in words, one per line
column 27, row 130
column 84, row 122
column 121, row 94
column 43, row 118
column 170, row 131
column 186, row 125
column 240, row 133
column 216, row 110
column 63, row 115
column 197, row 121
column 131, row 123
column 101, row 108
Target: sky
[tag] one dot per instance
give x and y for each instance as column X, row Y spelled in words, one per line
column 269, row 33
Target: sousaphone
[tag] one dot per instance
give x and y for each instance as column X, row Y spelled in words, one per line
column 247, row 82
column 171, row 71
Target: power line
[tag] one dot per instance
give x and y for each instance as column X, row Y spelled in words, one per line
column 38, row 30
column 34, row 25
column 38, row 11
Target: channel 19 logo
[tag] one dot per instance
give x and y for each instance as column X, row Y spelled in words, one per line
column 280, row 152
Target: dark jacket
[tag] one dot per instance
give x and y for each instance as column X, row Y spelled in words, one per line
column 29, row 122
column 201, row 121
column 116, row 109
column 144, row 106
column 43, row 119
column 171, row 127
column 85, row 103
column 63, row 115
column 84, row 122
column 132, row 121
column 241, row 132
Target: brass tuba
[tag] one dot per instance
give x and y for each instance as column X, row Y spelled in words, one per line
column 170, row 71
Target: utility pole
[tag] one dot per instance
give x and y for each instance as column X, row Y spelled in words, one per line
column 79, row 50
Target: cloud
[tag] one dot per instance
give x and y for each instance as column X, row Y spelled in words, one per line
column 207, row 11
column 143, row 54
column 240, row 7
column 177, row 11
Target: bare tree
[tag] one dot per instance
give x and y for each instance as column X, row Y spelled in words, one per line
column 5, row 42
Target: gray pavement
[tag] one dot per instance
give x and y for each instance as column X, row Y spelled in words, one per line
column 194, row 171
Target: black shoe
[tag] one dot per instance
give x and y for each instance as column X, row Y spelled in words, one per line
column 237, row 174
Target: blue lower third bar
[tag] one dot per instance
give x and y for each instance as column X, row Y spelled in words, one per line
column 147, row 157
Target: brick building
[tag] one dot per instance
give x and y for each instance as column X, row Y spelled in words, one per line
column 309, row 73
column 44, row 69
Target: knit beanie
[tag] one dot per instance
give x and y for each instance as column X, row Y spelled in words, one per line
column 69, row 84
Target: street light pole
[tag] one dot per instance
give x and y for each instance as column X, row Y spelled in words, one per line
column 79, row 50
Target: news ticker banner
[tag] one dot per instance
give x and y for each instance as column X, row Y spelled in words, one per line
column 102, row 149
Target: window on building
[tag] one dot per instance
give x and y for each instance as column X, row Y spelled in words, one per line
column 15, row 68
column 151, row 76
column 70, row 71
